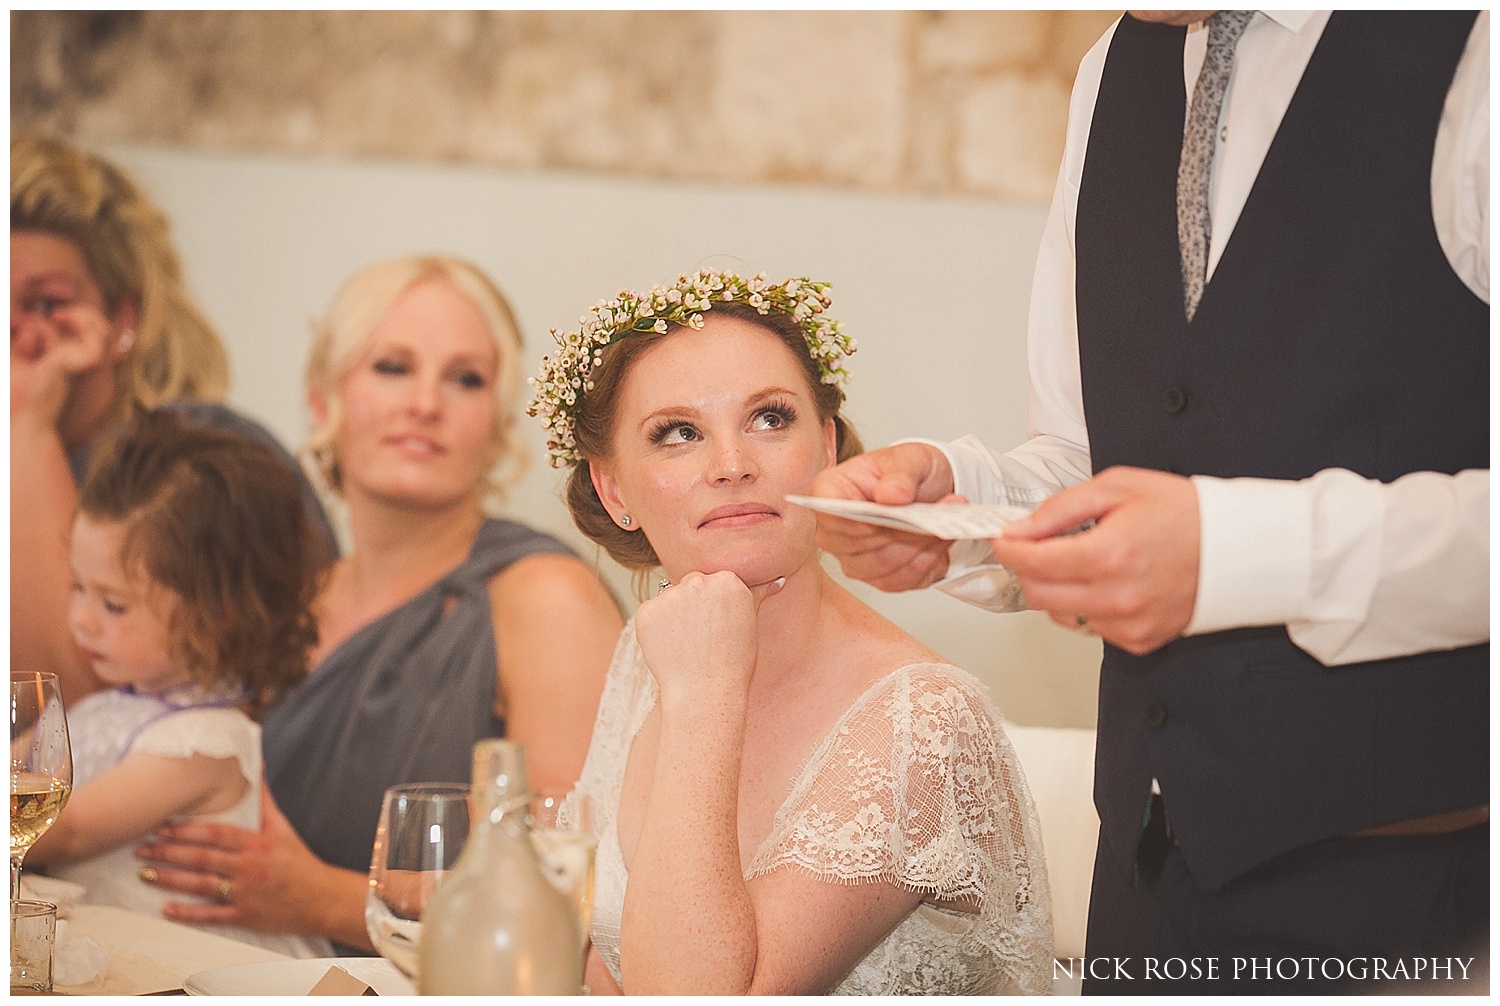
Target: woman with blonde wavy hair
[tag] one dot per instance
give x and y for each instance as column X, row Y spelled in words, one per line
column 100, row 323
column 440, row 627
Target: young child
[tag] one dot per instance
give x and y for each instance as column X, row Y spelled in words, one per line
column 195, row 564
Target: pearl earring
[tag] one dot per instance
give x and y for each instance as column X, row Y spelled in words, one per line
column 625, row 520
column 127, row 339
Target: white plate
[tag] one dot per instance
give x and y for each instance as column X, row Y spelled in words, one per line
column 296, row 978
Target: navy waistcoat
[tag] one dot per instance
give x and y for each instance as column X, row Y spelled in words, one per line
column 1333, row 334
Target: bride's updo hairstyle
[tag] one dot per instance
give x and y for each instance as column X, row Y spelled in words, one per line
column 578, row 391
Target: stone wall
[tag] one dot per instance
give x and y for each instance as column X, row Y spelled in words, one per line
column 953, row 102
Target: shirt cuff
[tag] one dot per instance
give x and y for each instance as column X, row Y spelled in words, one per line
column 973, row 575
column 985, row 585
column 1254, row 553
column 975, row 476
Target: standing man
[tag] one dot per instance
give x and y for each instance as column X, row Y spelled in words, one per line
column 1259, row 361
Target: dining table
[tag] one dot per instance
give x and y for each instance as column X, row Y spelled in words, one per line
column 151, row 955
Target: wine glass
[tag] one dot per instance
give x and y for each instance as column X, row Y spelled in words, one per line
column 41, row 763
column 562, row 829
column 422, row 829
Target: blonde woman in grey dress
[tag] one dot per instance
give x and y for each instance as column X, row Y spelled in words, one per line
column 441, row 626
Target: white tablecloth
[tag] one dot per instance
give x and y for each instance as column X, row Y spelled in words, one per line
column 152, row 954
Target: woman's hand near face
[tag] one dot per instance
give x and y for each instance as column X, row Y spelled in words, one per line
column 700, row 641
column 47, row 352
column 276, row 884
column 699, row 637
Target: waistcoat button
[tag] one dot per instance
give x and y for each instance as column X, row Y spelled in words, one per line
column 1176, row 401
column 1156, row 716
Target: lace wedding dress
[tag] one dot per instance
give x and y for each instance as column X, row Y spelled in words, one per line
column 916, row 785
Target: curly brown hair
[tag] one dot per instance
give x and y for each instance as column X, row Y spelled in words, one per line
column 220, row 521
column 594, row 426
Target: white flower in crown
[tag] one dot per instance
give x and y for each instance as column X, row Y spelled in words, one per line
column 564, row 378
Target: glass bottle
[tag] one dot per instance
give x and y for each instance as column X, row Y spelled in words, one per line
column 496, row 925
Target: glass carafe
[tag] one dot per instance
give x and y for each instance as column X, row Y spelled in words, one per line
column 496, row 925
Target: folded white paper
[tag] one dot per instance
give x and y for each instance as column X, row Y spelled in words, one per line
column 949, row 521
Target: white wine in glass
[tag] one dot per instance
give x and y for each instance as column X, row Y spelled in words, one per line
column 41, row 763
column 422, row 829
column 562, row 828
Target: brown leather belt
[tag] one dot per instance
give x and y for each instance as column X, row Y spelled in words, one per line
column 1433, row 824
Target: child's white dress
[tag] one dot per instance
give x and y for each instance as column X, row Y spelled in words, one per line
column 104, row 727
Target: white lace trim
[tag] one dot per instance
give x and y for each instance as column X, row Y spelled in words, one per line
column 916, row 785
column 213, row 733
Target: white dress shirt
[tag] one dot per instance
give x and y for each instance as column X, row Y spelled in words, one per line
column 1355, row 569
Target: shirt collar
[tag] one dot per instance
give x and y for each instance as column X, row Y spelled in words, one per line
column 1292, row 20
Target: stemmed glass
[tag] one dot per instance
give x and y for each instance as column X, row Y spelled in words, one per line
column 422, row 829
column 562, row 829
column 41, row 763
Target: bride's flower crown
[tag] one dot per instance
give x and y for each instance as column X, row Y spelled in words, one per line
column 564, row 379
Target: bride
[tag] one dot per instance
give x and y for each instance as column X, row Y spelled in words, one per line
column 792, row 795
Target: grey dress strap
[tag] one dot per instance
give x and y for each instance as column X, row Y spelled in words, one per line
column 404, row 699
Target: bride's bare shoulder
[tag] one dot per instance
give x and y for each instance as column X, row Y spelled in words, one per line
column 882, row 645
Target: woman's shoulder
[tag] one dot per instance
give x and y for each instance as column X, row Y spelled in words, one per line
column 861, row 628
column 886, row 794
column 926, row 687
column 549, row 582
column 200, row 412
column 898, row 663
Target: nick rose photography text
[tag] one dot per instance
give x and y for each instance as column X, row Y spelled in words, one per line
column 1264, row 968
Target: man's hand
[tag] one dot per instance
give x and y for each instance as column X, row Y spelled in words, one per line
column 887, row 558
column 1133, row 576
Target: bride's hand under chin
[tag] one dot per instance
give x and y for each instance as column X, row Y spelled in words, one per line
column 700, row 636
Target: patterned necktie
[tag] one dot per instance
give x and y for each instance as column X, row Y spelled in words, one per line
column 1193, row 223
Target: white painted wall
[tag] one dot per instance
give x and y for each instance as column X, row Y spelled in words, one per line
column 934, row 290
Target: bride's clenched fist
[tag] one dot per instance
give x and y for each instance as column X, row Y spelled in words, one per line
column 699, row 637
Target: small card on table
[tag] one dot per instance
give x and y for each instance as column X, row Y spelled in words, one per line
column 338, row 982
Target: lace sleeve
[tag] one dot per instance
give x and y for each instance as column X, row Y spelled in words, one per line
column 213, row 733
column 918, row 786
